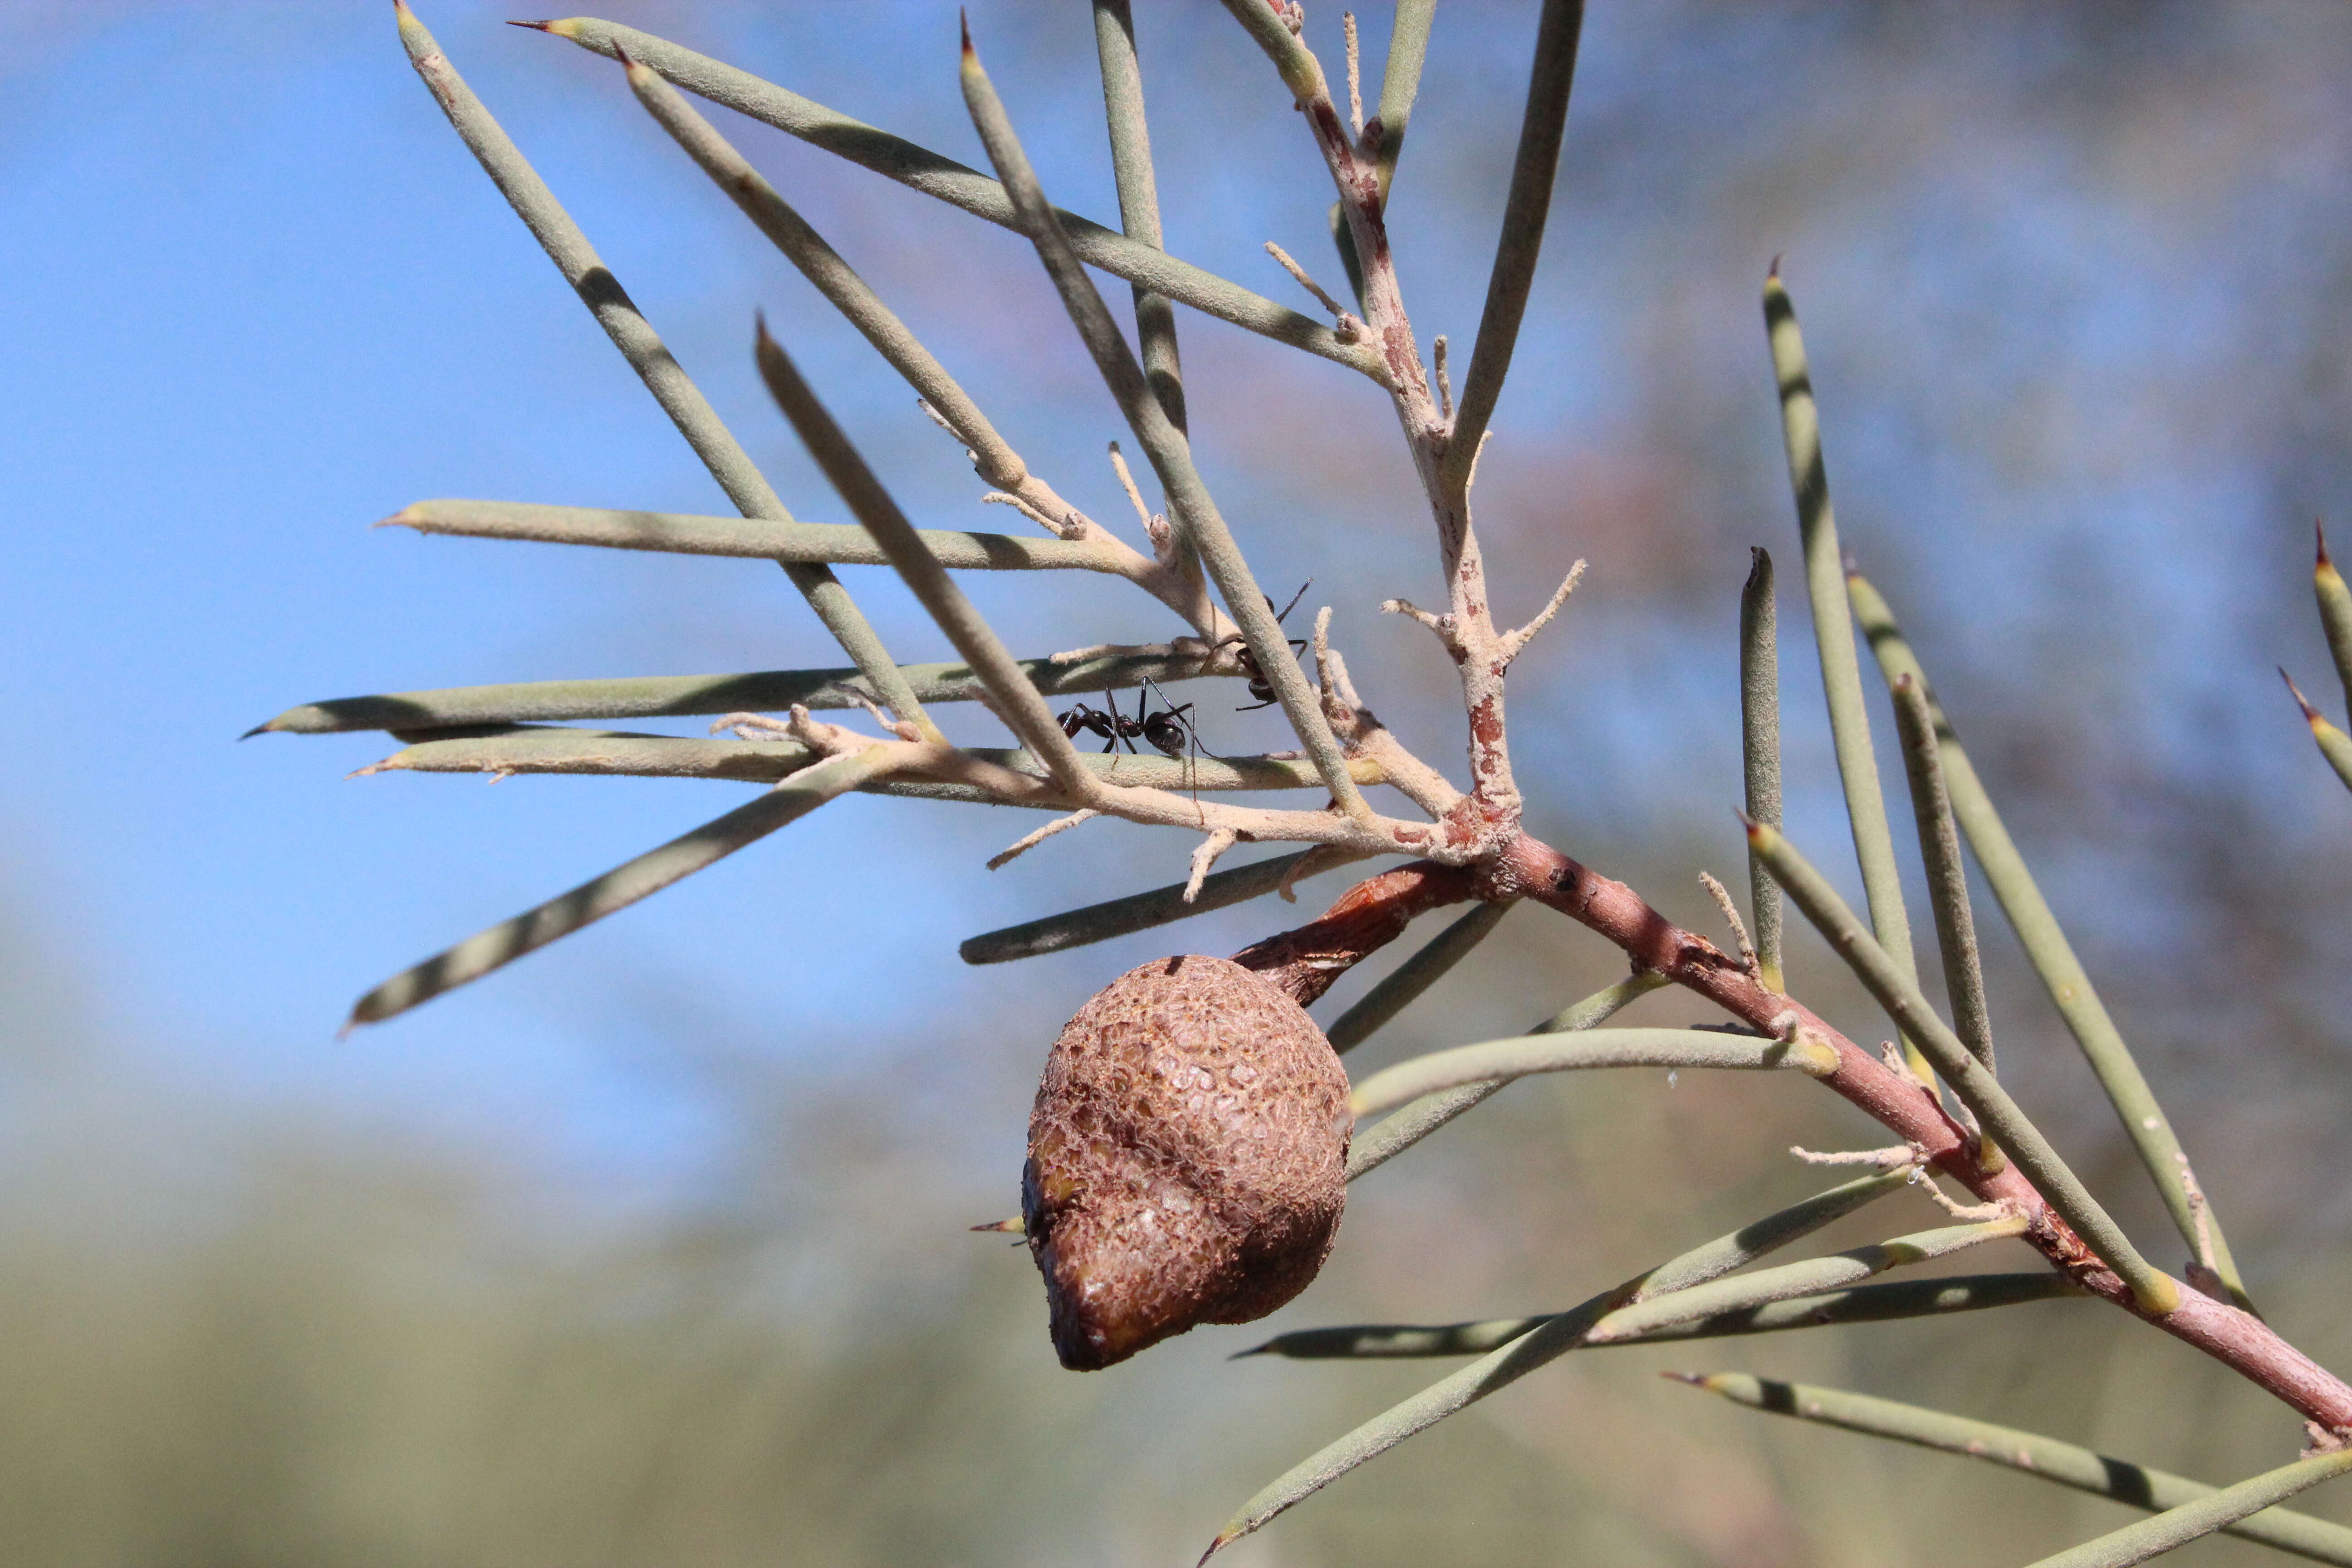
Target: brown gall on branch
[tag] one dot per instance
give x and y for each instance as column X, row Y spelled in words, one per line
column 1186, row 1158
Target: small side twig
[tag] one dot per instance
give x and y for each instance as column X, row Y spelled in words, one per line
column 1059, row 825
column 1513, row 643
column 1716, row 890
column 1355, row 75
column 1347, row 324
column 1205, row 855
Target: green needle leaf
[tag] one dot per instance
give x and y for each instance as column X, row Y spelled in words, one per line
column 689, row 696
column 678, row 534
column 1400, row 82
column 1191, row 507
column 1138, row 196
column 2046, row 947
column 1137, row 911
column 1534, row 171
column 2334, row 610
column 557, row 749
column 1515, row 1058
column 649, row 873
column 1978, row 1088
column 1374, row 1147
column 1866, row 805
column 2179, row 1526
column 2333, row 742
column 921, row 169
column 1402, row 986
column 2029, row 1453
column 1759, row 747
column 1553, row 1337
column 1831, row 1309
column 672, row 388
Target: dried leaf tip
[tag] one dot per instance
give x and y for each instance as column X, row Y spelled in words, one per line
column 535, row 27
column 1772, row 273
column 2320, row 537
column 2311, row 715
column 964, row 25
column 410, row 516
column 1224, row 1540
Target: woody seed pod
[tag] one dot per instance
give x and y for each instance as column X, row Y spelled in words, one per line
column 1186, row 1158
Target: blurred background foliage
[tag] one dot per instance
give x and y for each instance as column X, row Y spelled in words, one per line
column 651, row 1252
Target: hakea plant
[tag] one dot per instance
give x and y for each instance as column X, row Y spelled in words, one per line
column 1195, row 1133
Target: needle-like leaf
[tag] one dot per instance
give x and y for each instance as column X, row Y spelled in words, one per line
column 2334, row 744
column 2177, row 1527
column 1555, row 1337
column 1138, row 196
column 1137, row 911
column 688, row 696
column 1866, row 802
column 1999, row 1115
column 1525, row 213
column 1403, row 985
column 679, row 534
column 623, row 885
column 1016, row 701
column 1759, row 747
column 1517, row 1057
column 2051, row 955
column 2029, row 1453
column 679, row 398
column 2334, row 610
column 928, row 172
column 1190, row 505
column 1883, row 1303
column 538, row 749
column 1400, row 82
column 1375, row 1146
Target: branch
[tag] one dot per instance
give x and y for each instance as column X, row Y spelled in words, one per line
column 1481, row 825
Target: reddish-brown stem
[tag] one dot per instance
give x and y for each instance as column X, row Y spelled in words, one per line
column 1307, row 961
column 1368, row 917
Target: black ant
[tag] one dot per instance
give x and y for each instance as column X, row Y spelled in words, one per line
column 1168, row 732
column 1113, row 726
column 1259, row 687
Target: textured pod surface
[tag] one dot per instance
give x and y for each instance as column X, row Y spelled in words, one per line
column 1186, row 1158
